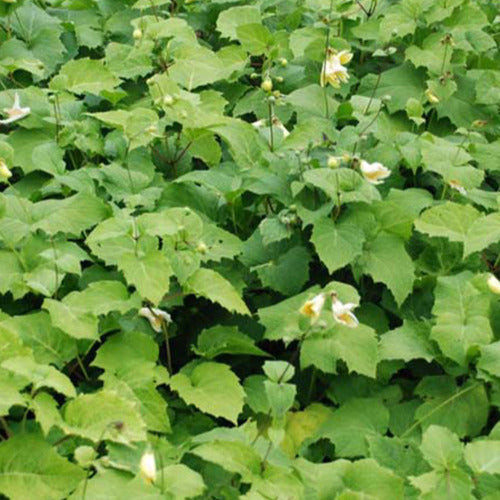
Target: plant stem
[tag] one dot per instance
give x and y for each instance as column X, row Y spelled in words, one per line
column 167, row 346
column 437, row 408
column 271, row 132
column 363, row 8
column 327, row 46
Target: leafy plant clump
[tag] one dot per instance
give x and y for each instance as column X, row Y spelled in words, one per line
column 248, row 249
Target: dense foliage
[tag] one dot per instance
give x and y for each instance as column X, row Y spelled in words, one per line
column 247, row 249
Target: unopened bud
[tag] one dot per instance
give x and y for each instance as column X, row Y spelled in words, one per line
column 283, row 62
column 333, row 162
column 267, row 85
column 202, row 248
column 168, row 100
column 137, row 34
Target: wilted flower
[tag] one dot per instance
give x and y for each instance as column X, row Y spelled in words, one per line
column 375, row 172
column 431, row 97
column 313, row 307
column 494, row 284
column 277, row 123
column 5, row 172
column 148, row 466
column 458, row 187
column 342, row 313
column 16, row 112
column 155, row 317
column 333, row 71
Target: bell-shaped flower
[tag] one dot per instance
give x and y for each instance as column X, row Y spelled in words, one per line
column 458, row 187
column 313, row 307
column 494, row 284
column 156, row 317
column 5, row 172
column 333, row 71
column 148, row 467
column 374, row 173
column 342, row 313
column 16, row 112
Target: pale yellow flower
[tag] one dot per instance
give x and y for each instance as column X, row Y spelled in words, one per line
column 333, row 71
column 458, row 187
column 342, row 313
column 494, row 284
column 5, row 172
column 156, row 317
column 16, row 112
column 431, row 97
column 374, row 173
column 148, row 467
column 313, row 307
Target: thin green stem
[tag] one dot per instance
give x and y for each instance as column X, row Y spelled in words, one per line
column 327, row 46
column 437, row 408
column 271, row 116
column 167, row 346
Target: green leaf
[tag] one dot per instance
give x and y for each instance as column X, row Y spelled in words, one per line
column 441, row 448
column 351, row 424
column 449, row 220
column 31, row 468
column 182, row 482
column 464, row 410
column 371, row 481
column 199, row 385
column 255, row 38
column 214, row 287
column 490, row 358
column 461, row 312
column 213, row 342
column 195, row 66
column 483, row 232
column 85, row 75
column 408, row 342
column 233, row 456
column 149, row 273
column 400, row 83
column 337, row 244
column 387, row 261
column 230, row 19
column 40, row 375
column 72, row 215
column 483, row 457
column 357, row 347
column 104, row 415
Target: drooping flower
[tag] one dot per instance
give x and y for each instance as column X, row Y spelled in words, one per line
column 342, row 313
column 279, row 125
column 156, row 317
column 375, row 172
column 494, row 284
column 148, row 466
column 431, row 97
column 333, row 71
column 16, row 112
column 458, row 187
column 313, row 307
column 5, row 172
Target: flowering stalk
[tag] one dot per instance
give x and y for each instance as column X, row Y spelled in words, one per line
column 327, row 44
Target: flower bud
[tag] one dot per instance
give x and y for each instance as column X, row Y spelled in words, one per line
column 168, row 100
column 267, row 85
column 253, row 76
column 279, row 79
column 283, row 62
column 431, row 97
column 202, row 248
column 333, row 162
column 137, row 34
column 5, row 172
column 148, row 467
column 494, row 284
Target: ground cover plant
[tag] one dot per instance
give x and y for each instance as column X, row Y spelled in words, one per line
column 248, row 249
